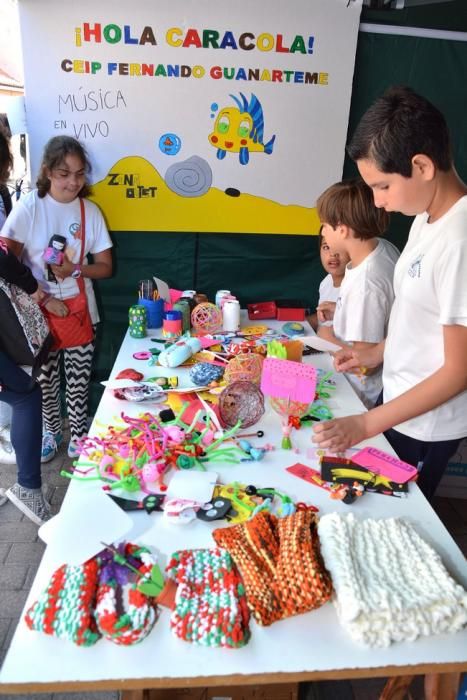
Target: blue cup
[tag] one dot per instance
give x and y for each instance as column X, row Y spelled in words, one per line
column 154, row 311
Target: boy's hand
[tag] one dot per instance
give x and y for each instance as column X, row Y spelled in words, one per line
column 347, row 360
column 361, row 361
column 325, row 311
column 341, row 433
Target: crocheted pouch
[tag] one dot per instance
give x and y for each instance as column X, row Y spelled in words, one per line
column 280, row 564
column 124, row 614
column 210, row 604
column 65, row 608
column 390, row 584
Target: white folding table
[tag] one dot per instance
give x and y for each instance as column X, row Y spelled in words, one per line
column 312, row 646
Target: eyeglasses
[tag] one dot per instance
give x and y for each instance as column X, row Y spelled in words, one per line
column 62, row 174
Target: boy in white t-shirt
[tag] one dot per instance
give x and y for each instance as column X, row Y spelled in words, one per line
column 334, row 263
column 352, row 223
column 403, row 152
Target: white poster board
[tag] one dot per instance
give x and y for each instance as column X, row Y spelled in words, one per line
column 198, row 116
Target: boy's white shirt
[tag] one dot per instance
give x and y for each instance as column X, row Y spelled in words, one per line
column 34, row 220
column 328, row 292
column 363, row 309
column 430, row 284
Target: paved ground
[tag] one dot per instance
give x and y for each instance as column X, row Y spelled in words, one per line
column 21, row 551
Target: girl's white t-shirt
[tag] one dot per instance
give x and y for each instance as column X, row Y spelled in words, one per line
column 35, row 219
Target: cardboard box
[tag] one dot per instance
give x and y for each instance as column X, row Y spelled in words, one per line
column 282, row 691
column 262, row 309
column 285, row 310
column 290, row 310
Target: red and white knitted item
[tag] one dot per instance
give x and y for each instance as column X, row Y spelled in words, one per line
column 210, row 604
column 139, row 611
column 65, row 609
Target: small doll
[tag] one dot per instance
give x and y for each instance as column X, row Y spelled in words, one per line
column 54, row 254
column 55, row 251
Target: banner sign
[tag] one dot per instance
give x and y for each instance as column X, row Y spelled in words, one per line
column 198, row 116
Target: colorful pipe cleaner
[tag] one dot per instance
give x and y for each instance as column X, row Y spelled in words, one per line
column 65, row 608
column 280, row 563
column 138, row 454
column 210, row 604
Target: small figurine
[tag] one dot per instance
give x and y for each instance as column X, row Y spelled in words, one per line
column 55, row 251
column 54, row 254
column 347, row 493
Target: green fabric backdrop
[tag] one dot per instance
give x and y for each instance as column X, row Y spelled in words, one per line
column 262, row 267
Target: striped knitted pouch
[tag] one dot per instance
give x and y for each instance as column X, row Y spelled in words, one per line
column 210, row 604
column 280, row 563
column 65, row 609
column 124, row 614
column 103, row 597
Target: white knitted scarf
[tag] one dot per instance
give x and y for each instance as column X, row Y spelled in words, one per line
column 389, row 584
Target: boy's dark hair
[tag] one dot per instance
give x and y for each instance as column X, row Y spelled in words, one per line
column 6, row 157
column 55, row 152
column 396, row 127
column 351, row 203
column 320, row 237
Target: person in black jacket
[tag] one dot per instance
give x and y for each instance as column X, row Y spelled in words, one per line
column 22, row 392
column 6, row 164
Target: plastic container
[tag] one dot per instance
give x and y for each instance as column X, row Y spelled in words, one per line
column 231, row 315
column 154, row 312
column 179, row 352
column 137, row 321
column 172, row 324
column 183, row 305
column 220, row 294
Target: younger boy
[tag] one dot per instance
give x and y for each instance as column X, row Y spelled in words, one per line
column 402, row 150
column 352, row 224
column 334, row 263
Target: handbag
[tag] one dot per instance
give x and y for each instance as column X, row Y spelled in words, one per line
column 25, row 335
column 75, row 328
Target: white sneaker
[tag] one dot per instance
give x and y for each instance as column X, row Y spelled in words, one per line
column 73, row 451
column 31, row 502
column 7, row 453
